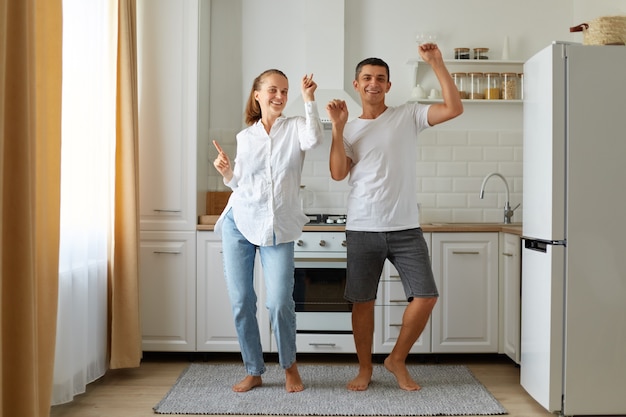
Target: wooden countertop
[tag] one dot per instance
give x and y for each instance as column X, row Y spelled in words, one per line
column 207, row 223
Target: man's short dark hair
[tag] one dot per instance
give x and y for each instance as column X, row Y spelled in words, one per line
column 371, row 61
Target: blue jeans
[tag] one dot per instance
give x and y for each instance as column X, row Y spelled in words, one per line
column 278, row 273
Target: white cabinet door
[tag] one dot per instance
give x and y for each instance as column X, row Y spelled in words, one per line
column 390, row 306
column 465, row 318
column 216, row 329
column 167, row 44
column 167, row 283
column 510, row 284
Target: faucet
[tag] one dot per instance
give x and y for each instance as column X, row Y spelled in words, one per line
column 508, row 213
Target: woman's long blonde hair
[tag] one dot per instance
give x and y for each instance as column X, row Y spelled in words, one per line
column 253, row 110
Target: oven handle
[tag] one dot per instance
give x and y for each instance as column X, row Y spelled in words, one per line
column 319, row 259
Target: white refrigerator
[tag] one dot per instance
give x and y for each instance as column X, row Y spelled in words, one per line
column 573, row 329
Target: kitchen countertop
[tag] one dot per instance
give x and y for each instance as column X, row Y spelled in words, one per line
column 207, row 222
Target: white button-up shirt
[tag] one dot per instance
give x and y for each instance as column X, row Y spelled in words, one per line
column 266, row 177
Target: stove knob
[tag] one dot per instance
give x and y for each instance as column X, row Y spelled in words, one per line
column 344, row 243
column 330, row 221
column 322, row 243
column 300, row 242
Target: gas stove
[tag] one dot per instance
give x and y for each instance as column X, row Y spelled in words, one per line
column 326, row 219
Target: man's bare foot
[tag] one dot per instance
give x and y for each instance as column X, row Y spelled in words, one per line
column 249, row 382
column 362, row 380
column 398, row 369
column 293, row 382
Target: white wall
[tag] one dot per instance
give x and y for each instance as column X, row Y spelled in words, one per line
column 249, row 36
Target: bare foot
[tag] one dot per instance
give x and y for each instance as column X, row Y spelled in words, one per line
column 402, row 375
column 293, row 382
column 246, row 384
column 362, row 380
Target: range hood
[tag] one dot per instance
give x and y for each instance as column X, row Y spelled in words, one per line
column 324, row 57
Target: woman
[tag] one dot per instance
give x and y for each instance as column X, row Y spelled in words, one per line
column 264, row 212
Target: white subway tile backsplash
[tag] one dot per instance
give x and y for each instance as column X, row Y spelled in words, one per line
column 436, row 153
column 451, row 200
column 483, row 138
column 436, row 185
column 481, row 169
column 511, row 138
column 498, row 154
column 467, row 153
column 451, row 138
column 426, row 169
column 452, row 169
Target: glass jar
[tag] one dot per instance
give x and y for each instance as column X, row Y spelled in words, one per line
column 460, row 80
column 520, row 86
column 492, row 86
column 481, row 53
column 475, row 86
column 461, row 53
column 508, row 86
column 306, row 198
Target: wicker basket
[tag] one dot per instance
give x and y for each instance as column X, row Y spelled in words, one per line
column 606, row 30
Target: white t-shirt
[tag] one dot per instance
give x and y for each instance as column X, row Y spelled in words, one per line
column 383, row 195
column 266, row 177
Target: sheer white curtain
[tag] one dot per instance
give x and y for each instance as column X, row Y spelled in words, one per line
column 88, row 141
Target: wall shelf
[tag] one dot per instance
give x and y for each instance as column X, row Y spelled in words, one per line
column 479, row 62
column 469, row 65
column 478, row 102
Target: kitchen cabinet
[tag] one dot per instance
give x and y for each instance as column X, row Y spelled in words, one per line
column 167, row 37
column 167, row 290
column 167, row 45
column 215, row 326
column 422, row 74
column 389, row 308
column 465, row 318
column 510, row 293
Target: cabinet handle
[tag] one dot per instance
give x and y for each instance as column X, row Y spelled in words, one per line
column 167, row 211
column 401, row 300
column 166, row 252
column 395, row 325
column 322, row 344
column 319, row 260
column 507, row 254
column 462, row 252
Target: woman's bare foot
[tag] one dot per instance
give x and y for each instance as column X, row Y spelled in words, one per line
column 398, row 369
column 249, row 382
column 293, row 382
column 362, row 380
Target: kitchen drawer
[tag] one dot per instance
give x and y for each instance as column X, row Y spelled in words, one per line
column 392, row 320
column 393, row 293
column 325, row 343
column 387, row 329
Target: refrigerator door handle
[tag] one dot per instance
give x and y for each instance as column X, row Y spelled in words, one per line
column 541, row 245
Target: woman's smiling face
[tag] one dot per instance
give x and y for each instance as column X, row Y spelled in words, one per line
column 272, row 96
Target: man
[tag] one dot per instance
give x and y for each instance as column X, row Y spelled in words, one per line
column 378, row 150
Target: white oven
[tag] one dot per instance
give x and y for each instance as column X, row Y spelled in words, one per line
column 323, row 316
column 320, row 279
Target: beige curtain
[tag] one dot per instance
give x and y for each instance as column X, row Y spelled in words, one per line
column 124, row 273
column 30, row 157
column 30, row 106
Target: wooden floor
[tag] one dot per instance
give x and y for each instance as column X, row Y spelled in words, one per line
column 133, row 392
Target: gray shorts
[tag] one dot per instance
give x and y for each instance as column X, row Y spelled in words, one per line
column 405, row 249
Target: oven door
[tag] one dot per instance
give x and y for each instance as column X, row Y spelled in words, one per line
column 320, row 279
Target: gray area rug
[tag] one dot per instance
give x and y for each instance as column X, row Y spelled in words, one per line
column 448, row 390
